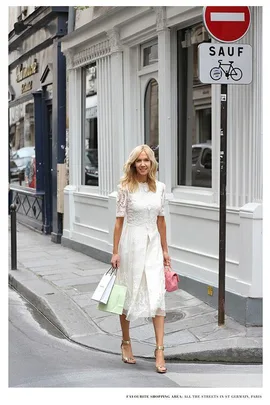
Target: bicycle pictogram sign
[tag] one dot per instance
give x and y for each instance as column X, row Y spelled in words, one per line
column 225, row 64
column 226, row 69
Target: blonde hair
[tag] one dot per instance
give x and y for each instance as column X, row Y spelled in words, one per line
column 129, row 179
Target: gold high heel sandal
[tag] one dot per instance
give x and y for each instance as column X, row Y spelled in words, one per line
column 129, row 360
column 160, row 368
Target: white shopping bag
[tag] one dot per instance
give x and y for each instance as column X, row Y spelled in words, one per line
column 104, row 288
column 108, row 290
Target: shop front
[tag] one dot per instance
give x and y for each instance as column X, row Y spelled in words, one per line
column 37, row 89
column 142, row 63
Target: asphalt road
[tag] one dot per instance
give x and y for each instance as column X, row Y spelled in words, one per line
column 40, row 356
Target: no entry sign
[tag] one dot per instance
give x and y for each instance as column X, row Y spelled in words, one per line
column 227, row 24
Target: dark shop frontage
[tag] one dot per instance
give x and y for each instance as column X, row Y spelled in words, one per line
column 37, row 117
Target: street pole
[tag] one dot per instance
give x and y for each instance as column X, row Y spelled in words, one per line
column 13, row 234
column 222, row 205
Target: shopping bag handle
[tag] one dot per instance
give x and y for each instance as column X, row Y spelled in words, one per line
column 112, row 270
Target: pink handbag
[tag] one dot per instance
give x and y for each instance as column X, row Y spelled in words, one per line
column 171, row 279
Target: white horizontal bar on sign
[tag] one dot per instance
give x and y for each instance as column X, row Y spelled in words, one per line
column 227, row 16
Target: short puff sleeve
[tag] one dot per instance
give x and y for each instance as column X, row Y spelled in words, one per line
column 163, row 197
column 121, row 202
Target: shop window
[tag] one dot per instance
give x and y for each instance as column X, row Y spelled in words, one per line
column 90, row 129
column 22, row 145
column 194, row 111
column 151, row 117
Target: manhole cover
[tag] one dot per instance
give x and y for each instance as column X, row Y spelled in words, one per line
column 171, row 316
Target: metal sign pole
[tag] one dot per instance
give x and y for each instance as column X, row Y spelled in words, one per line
column 224, row 64
column 222, row 205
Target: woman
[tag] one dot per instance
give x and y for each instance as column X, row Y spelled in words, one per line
column 140, row 248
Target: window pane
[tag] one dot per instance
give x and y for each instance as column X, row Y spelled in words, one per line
column 151, row 117
column 22, row 145
column 90, row 134
column 150, row 54
column 194, row 112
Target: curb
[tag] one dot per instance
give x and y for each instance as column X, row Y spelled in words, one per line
column 45, row 297
column 229, row 355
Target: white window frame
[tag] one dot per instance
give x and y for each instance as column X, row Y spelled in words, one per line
column 191, row 193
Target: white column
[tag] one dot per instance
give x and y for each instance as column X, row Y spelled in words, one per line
column 245, row 126
column 73, row 152
column 118, row 138
column 257, row 163
column 74, row 109
column 164, row 85
column 106, row 181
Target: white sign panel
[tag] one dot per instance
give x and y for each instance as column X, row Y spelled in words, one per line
column 225, row 63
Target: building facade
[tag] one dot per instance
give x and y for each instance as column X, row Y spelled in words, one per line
column 37, row 113
column 133, row 79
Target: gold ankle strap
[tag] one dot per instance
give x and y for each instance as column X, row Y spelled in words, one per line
column 159, row 347
column 126, row 342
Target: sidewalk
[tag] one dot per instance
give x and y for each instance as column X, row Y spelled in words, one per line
column 60, row 283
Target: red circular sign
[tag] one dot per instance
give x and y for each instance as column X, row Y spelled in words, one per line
column 227, row 24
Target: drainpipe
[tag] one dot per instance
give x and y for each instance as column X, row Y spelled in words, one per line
column 71, row 19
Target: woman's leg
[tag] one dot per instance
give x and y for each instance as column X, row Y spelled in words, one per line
column 126, row 347
column 125, row 327
column 158, row 322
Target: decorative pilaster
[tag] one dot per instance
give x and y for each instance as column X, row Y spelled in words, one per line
column 164, row 82
column 117, row 103
column 74, row 145
column 245, row 126
column 257, row 164
column 114, row 40
column 161, row 18
column 69, row 54
column 105, row 133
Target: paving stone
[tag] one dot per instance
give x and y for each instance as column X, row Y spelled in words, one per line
column 215, row 332
column 176, row 339
column 87, row 287
column 254, row 331
column 76, row 281
column 98, row 315
column 90, row 272
column 84, row 300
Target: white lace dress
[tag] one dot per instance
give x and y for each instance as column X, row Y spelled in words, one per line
column 141, row 259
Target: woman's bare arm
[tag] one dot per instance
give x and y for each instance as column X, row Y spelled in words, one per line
column 115, row 260
column 161, row 224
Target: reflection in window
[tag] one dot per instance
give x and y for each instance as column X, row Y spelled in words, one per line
column 22, row 145
column 151, row 117
column 90, row 134
column 195, row 154
column 194, row 112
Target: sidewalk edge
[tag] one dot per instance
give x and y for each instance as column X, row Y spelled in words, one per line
column 50, row 312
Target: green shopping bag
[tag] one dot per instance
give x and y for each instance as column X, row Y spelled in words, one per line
column 115, row 303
